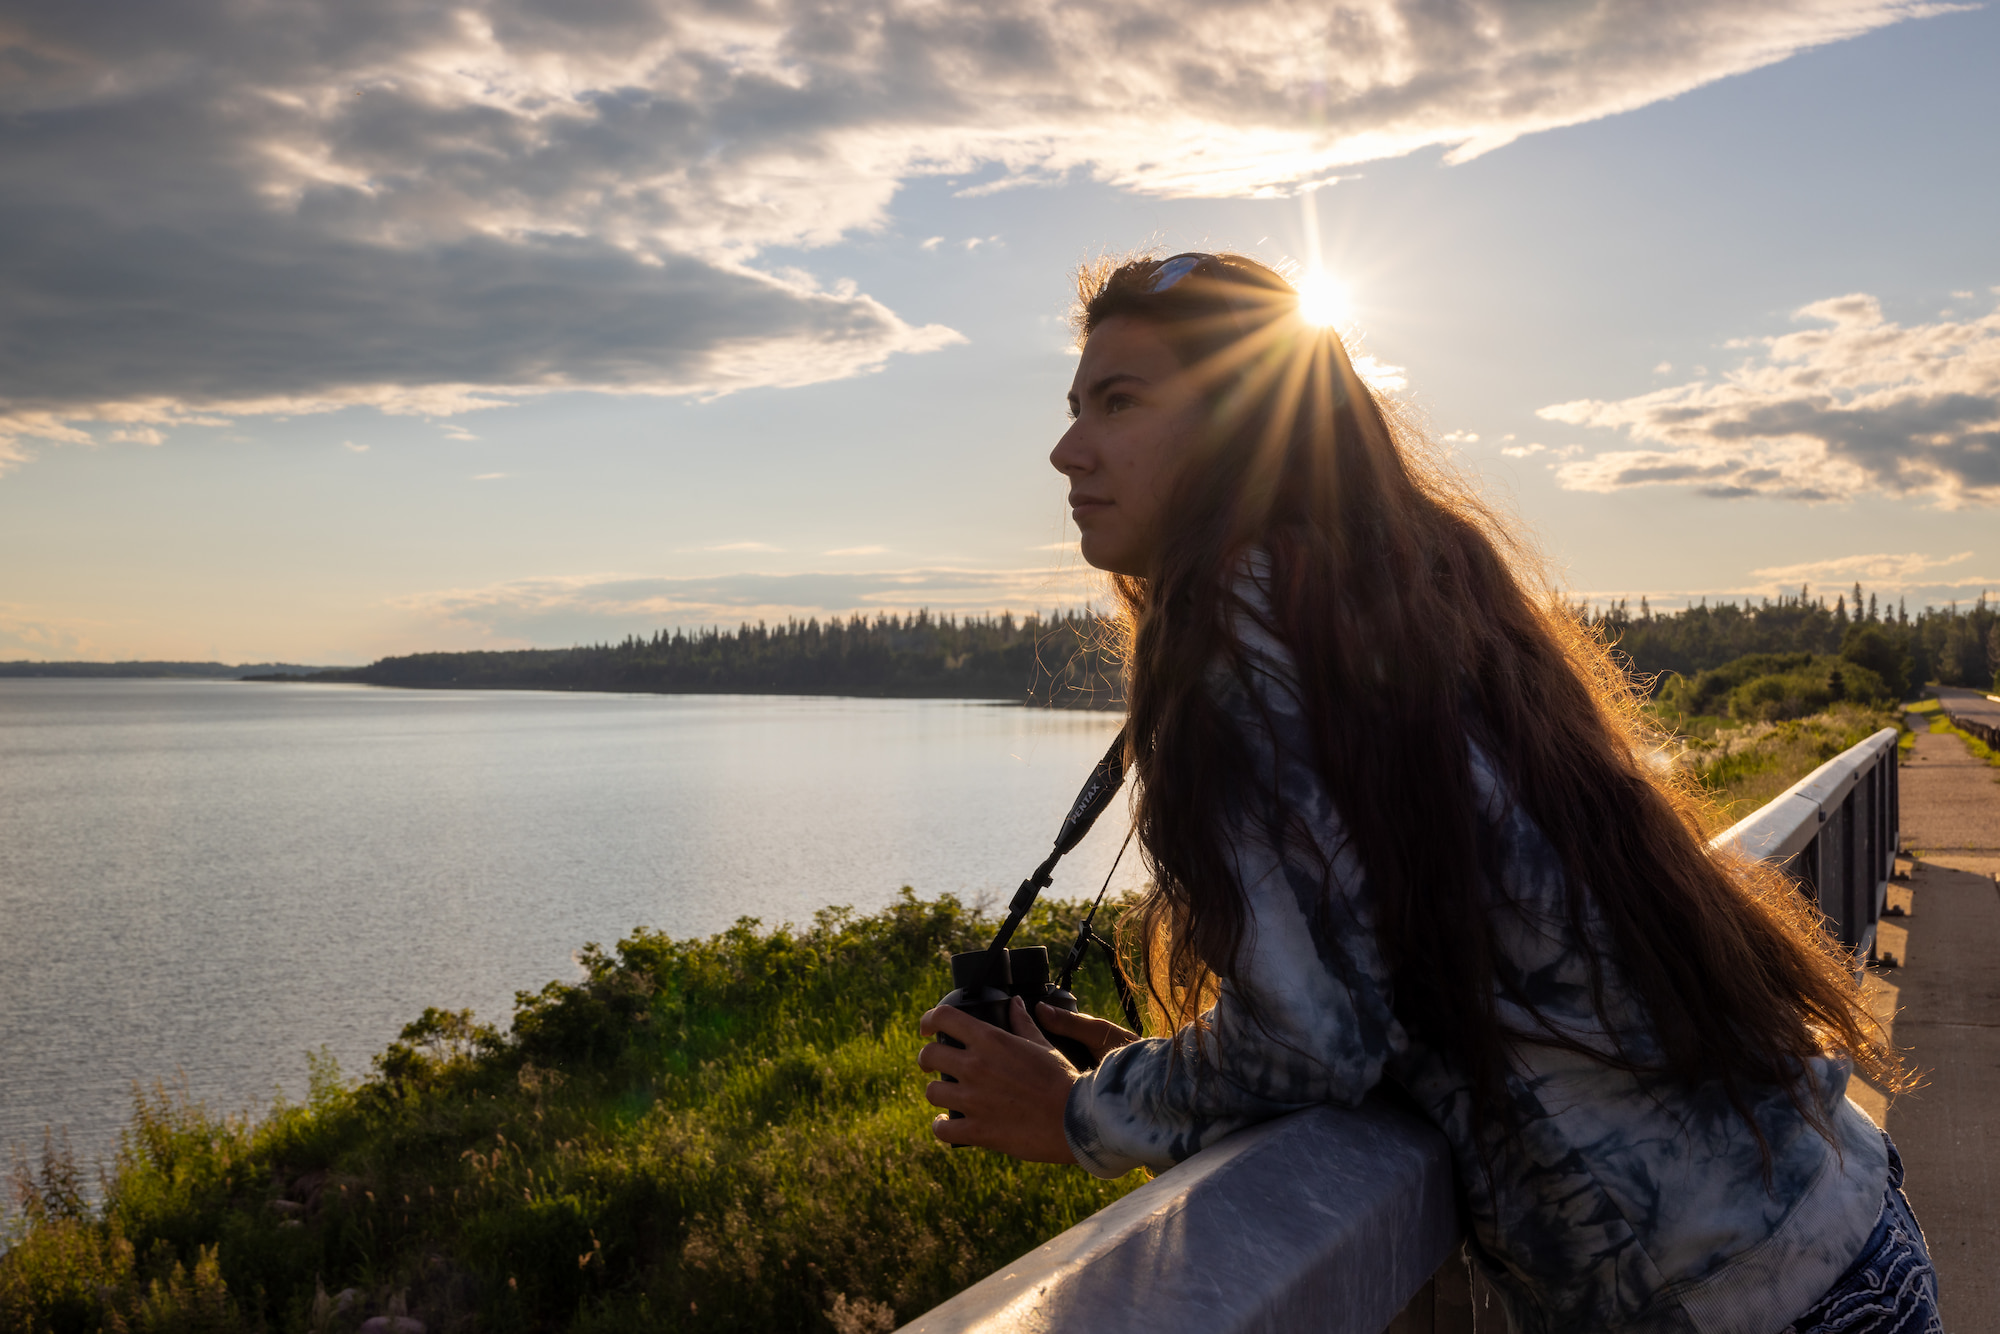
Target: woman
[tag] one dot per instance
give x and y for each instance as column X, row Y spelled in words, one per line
column 1403, row 826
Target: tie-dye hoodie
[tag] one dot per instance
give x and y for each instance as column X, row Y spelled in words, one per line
column 1615, row 1200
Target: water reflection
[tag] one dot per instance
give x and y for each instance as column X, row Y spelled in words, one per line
column 218, row 876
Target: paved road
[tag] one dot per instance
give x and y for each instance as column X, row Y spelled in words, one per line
column 1947, row 994
column 1976, row 705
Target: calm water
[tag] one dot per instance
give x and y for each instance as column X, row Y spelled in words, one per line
column 215, row 877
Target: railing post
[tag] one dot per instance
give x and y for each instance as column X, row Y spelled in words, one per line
column 1850, row 878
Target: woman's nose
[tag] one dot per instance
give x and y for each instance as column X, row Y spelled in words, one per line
column 1069, row 454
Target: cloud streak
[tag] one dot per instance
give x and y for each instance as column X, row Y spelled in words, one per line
column 1880, row 568
column 570, row 609
column 209, row 211
column 1855, row 406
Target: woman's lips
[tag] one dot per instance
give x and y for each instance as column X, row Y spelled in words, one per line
column 1082, row 506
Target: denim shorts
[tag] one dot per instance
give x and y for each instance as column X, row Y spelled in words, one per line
column 1890, row 1288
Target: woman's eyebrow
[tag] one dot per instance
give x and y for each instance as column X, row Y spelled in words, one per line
column 1097, row 388
column 1114, row 378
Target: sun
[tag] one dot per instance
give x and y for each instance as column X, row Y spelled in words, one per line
column 1322, row 300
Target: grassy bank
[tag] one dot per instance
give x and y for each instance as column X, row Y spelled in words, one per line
column 721, row 1134
column 1747, row 764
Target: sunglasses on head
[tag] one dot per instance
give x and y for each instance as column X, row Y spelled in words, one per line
column 1172, row 271
column 1246, row 290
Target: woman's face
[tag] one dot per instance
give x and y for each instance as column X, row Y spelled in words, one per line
column 1137, row 416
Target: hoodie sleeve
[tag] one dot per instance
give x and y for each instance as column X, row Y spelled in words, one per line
column 1310, row 968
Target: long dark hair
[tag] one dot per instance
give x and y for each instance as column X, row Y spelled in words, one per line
column 1418, row 625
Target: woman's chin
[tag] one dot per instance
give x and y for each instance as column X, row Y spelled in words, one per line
column 1107, row 556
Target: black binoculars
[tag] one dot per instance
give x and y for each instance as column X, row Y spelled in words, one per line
column 985, row 982
column 1023, row 972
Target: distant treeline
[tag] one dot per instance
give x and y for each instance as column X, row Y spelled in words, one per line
column 194, row 671
column 1066, row 660
column 1070, row 659
column 1951, row 646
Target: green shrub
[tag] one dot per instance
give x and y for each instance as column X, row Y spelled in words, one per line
column 719, row 1134
column 1869, row 645
column 1775, row 687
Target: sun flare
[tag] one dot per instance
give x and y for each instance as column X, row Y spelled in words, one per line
column 1322, row 300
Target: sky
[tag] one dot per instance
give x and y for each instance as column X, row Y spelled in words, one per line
column 336, row 330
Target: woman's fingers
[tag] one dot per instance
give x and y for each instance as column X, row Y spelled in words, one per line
column 1081, row 1025
column 952, row 1023
column 1024, row 1027
column 950, row 1131
column 948, row 1094
column 944, row 1059
column 1100, row 1035
column 1011, row 1086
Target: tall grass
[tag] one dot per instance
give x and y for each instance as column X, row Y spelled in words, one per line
column 1745, row 766
column 721, row 1134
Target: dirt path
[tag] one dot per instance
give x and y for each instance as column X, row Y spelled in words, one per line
column 1951, row 801
column 1947, row 998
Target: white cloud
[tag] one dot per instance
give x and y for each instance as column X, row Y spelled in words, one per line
column 1460, row 437
column 855, row 551
column 1522, row 451
column 28, row 632
column 1879, row 568
column 743, row 546
column 210, row 211
column 351, row 447
column 489, row 476
column 1380, row 375
column 1855, row 406
column 1664, row 368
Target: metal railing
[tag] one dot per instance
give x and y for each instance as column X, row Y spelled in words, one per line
column 1836, row 830
column 1343, row 1221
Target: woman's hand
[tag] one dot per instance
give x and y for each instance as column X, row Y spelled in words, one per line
column 1100, row 1035
column 1012, row 1087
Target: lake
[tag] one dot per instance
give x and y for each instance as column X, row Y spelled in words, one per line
column 215, row 877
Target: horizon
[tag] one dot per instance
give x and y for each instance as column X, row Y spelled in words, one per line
column 434, row 339
column 1592, row 610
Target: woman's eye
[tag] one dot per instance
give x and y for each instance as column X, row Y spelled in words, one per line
column 1118, row 403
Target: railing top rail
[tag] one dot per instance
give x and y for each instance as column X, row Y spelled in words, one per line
column 1788, row 822
column 1326, row 1219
